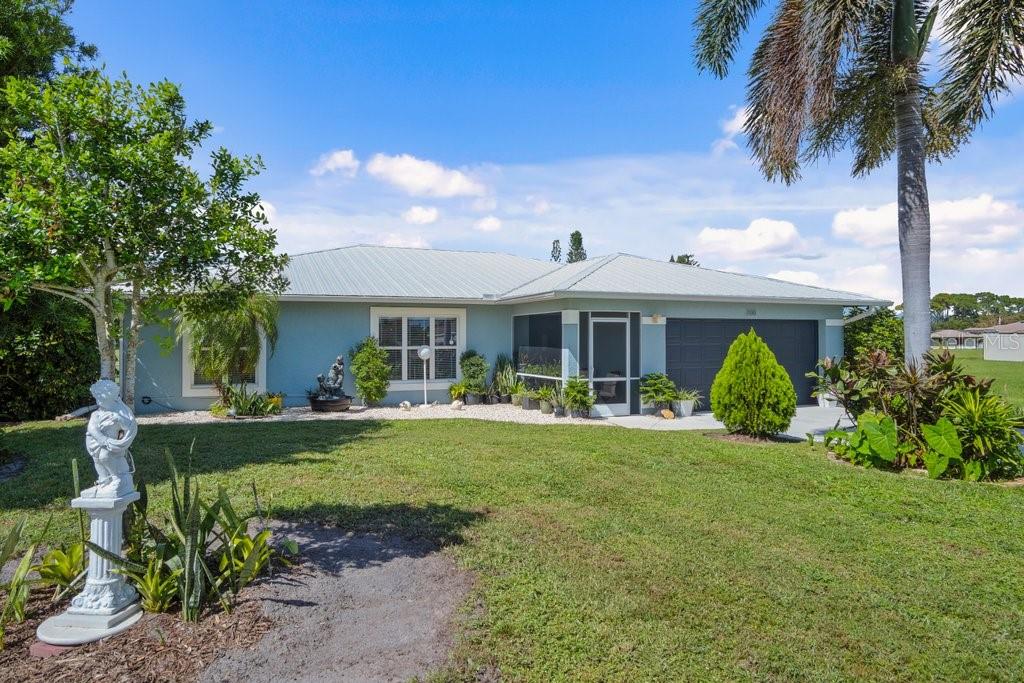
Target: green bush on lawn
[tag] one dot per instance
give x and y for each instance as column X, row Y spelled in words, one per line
column 752, row 393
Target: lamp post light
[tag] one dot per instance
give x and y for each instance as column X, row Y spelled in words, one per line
column 424, row 353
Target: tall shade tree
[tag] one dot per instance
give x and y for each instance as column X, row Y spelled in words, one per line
column 34, row 36
column 226, row 343
column 100, row 204
column 830, row 75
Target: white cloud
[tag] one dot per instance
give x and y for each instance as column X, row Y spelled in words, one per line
column 420, row 177
column 801, row 277
column 484, row 204
column 269, row 210
column 732, row 128
column 488, row 224
column 339, row 160
column 979, row 220
column 538, row 205
column 421, row 215
column 394, row 239
column 762, row 238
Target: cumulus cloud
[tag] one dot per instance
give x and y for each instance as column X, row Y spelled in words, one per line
column 423, row 178
column 763, row 237
column 337, row 161
column 394, row 239
column 732, row 128
column 488, row 224
column 981, row 220
column 269, row 210
column 538, row 205
column 421, row 215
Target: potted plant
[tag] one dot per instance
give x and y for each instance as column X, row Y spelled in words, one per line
column 545, row 397
column 530, row 400
column 457, row 391
column 578, row 397
column 474, row 374
column 504, row 378
column 658, row 391
column 686, row 401
column 516, row 392
column 558, row 401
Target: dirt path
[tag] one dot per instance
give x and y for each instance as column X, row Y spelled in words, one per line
column 362, row 608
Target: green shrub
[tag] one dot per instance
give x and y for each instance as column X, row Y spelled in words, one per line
column 658, row 390
column 880, row 331
column 457, row 391
column 577, row 395
column 752, row 393
column 474, row 371
column 238, row 401
column 48, row 358
column 371, row 370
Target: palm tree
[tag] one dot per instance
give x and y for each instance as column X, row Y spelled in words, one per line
column 830, row 75
column 226, row 344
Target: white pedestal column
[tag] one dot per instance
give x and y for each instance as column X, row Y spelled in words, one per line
column 107, row 605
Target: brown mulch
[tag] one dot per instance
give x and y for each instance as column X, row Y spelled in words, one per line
column 161, row 647
column 743, row 438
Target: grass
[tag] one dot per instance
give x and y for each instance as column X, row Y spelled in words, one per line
column 612, row 554
column 1008, row 375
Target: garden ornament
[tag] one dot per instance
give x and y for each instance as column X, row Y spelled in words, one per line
column 108, row 604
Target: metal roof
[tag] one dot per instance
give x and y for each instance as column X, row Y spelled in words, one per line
column 1007, row 328
column 371, row 272
column 626, row 275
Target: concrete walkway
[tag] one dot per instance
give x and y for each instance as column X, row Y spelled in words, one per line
column 811, row 419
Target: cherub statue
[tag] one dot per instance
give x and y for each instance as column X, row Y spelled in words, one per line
column 111, row 430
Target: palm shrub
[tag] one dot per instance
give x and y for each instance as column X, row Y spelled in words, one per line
column 577, row 396
column 658, row 390
column 752, row 393
column 226, row 343
column 371, row 370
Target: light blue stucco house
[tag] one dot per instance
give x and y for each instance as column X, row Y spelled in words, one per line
column 611, row 319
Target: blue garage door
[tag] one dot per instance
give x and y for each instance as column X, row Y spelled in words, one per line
column 695, row 350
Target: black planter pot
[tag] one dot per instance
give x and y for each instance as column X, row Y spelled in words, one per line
column 581, row 413
column 330, row 405
column 559, row 411
column 506, row 398
column 491, row 400
column 472, row 399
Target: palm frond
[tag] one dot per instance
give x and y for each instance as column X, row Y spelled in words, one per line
column 777, row 95
column 720, row 24
column 984, row 55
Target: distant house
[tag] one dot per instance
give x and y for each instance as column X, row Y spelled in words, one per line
column 611, row 319
column 1003, row 342
column 954, row 339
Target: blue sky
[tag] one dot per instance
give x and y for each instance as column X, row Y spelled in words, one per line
column 502, row 125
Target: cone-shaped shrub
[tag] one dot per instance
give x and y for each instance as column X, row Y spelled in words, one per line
column 752, row 393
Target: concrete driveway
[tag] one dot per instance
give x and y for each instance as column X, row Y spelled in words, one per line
column 808, row 419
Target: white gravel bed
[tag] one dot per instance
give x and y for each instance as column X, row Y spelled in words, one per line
column 503, row 412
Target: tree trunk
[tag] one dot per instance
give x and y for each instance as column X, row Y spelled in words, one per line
column 104, row 343
column 914, row 222
column 131, row 351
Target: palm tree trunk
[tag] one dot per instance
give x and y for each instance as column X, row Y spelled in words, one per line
column 914, row 222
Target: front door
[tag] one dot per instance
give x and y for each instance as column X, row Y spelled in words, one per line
column 609, row 363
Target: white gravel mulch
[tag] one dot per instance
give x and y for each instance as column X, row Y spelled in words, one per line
column 496, row 413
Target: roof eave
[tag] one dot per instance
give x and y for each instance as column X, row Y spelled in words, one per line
column 568, row 294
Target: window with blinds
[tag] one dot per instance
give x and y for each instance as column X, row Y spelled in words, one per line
column 402, row 336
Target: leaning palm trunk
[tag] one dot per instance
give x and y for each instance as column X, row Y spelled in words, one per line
column 914, row 221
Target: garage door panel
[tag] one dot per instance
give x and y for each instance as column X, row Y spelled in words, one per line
column 696, row 348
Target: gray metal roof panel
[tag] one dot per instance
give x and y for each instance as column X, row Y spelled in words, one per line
column 373, row 272
column 397, row 272
column 624, row 274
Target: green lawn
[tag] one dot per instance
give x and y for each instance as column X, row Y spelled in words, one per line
column 1008, row 376
column 612, row 554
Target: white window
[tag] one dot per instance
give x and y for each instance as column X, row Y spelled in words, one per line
column 195, row 385
column 403, row 331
